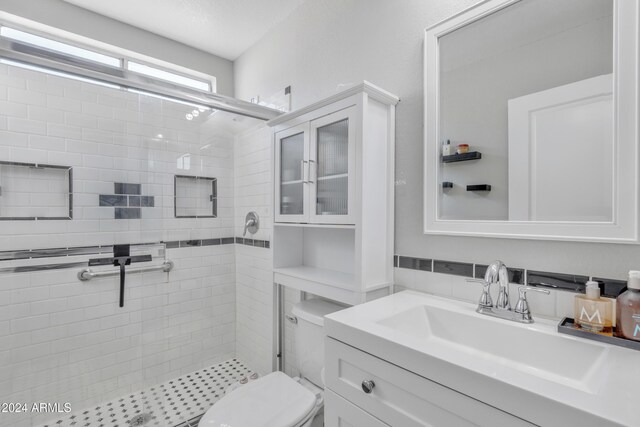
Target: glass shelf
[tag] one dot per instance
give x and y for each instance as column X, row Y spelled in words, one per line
column 340, row 175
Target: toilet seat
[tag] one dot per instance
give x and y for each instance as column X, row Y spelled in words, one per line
column 275, row 400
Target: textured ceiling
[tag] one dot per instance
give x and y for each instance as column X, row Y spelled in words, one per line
column 222, row 27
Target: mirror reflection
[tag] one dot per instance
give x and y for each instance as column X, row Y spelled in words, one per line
column 526, row 114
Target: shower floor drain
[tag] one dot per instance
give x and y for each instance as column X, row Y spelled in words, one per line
column 179, row 402
column 139, row 420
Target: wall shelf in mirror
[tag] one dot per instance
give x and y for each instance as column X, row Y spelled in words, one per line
column 479, row 187
column 447, row 184
column 471, row 155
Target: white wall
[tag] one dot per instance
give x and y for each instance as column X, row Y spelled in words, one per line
column 325, row 43
column 71, row 18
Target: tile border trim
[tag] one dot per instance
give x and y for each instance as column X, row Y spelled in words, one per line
column 609, row 288
column 23, row 254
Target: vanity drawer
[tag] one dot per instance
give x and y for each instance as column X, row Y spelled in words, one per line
column 340, row 413
column 402, row 398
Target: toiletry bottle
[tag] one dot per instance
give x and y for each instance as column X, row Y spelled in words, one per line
column 628, row 309
column 593, row 313
column 446, row 148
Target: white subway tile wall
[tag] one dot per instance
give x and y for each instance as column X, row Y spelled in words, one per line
column 62, row 340
column 254, row 279
column 111, row 135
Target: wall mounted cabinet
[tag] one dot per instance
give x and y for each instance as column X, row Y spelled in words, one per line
column 333, row 195
column 315, row 166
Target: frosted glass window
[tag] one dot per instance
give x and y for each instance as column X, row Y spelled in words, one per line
column 195, row 197
column 53, row 45
column 168, row 76
column 30, row 191
column 291, row 185
column 333, row 163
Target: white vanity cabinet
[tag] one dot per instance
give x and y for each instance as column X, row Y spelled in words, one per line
column 334, row 195
column 398, row 397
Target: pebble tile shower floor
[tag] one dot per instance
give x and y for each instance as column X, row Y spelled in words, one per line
column 176, row 403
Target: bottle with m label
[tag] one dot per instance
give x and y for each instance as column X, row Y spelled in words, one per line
column 628, row 309
column 593, row 313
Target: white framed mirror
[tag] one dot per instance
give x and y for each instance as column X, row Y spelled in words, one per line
column 531, row 121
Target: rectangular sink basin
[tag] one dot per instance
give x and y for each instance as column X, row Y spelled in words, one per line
column 517, row 347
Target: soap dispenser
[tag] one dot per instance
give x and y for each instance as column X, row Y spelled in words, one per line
column 628, row 309
column 593, row 313
column 446, row 148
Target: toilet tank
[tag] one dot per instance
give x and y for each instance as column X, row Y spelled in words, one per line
column 309, row 336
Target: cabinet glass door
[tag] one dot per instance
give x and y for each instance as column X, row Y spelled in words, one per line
column 330, row 165
column 291, row 155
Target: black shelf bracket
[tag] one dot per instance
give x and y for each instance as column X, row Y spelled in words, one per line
column 479, row 187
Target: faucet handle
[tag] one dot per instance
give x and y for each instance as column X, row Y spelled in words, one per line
column 485, row 298
column 522, row 306
column 252, row 223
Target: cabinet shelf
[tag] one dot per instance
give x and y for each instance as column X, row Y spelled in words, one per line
column 472, row 155
column 315, row 225
column 297, row 181
column 319, row 275
column 336, row 176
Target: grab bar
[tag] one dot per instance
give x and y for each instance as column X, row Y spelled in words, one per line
column 88, row 274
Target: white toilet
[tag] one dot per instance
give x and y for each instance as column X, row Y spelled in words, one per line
column 277, row 400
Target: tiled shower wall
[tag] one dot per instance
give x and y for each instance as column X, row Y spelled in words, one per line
column 254, row 279
column 254, row 276
column 62, row 340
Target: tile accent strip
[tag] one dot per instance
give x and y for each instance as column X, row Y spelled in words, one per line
column 610, row 288
column 253, row 242
column 415, row 263
column 568, row 282
column 108, row 249
column 452, row 267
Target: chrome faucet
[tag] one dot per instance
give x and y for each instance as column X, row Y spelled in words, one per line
column 497, row 273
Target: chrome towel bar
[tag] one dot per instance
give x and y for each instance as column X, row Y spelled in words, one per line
column 88, row 274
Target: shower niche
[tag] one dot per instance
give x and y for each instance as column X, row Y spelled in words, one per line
column 31, row 191
column 195, row 197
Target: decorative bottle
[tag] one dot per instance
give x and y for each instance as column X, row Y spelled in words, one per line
column 628, row 309
column 593, row 313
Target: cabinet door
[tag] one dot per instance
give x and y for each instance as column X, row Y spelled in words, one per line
column 341, row 413
column 332, row 168
column 292, row 171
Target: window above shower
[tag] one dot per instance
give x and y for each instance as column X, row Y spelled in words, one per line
column 144, row 66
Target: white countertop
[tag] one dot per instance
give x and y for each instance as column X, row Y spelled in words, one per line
column 603, row 396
